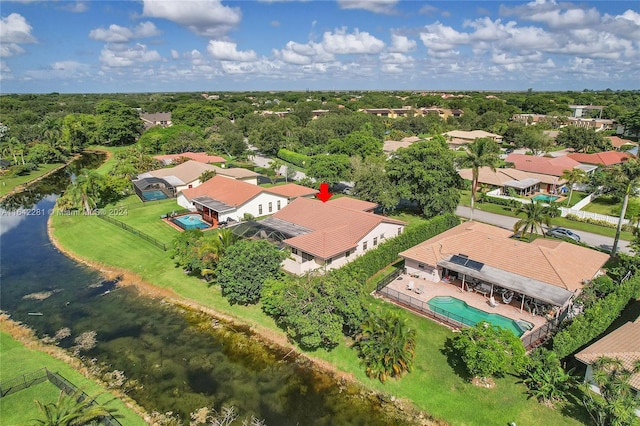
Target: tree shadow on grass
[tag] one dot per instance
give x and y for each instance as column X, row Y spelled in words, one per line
column 454, row 360
column 574, row 408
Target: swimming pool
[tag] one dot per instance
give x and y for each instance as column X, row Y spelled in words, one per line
column 458, row 310
column 190, row 221
column 545, row 198
column 156, row 194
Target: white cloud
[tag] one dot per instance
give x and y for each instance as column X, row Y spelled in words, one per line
column 175, row 54
column 395, row 58
column 117, row 34
column 15, row 29
column 442, row 38
column 118, row 55
column 341, row 43
column 69, row 66
column 555, row 16
column 428, row 9
column 402, row 44
column 376, row 6
column 75, row 7
column 303, row 54
column 228, row 51
column 204, row 17
column 4, row 67
column 10, row 49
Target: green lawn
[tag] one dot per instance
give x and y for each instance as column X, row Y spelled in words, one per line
column 434, row 386
column 8, row 183
column 111, row 161
column 19, row 408
column 606, row 205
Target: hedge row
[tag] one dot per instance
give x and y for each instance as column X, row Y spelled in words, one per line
column 604, row 223
column 595, row 319
column 500, row 201
column 373, row 261
column 294, row 158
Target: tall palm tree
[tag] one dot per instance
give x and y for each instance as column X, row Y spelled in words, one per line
column 573, row 176
column 618, row 403
column 84, row 192
column 387, row 345
column 52, row 131
column 626, row 177
column 71, row 410
column 483, row 152
column 212, row 248
column 537, row 214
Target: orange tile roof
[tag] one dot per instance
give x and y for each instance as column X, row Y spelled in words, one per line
column 606, row 158
column 553, row 262
column 201, row 157
column 618, row 142
column 622, row 344
column 292, row 190
column 543, row 165
column 353, row 203
column 229, row 191
column 335, row 229
column 501, row 176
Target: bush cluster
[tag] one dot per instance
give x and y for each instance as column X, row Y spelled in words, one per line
column 294, row 158
column 604, row 223
column 596, row 318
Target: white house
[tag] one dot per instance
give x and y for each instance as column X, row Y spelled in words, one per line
column 221, row 199
column 328, row 235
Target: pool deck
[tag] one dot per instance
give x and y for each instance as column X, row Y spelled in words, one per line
column 477, row 300
column 168, row 221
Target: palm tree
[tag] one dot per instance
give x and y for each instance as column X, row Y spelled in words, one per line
column 84, row 192
column 573, row 176
column 483, row 152
column 71, row 410
column 206, row 175
column 617, row 404
column 537, row 214
column 52, row 131
column 387, row 345
column 626, row 177
column 212, row 248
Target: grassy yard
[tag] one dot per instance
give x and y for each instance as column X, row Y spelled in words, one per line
column 435, row 386
column 20, row 408
column 607, row 205
column 145, row 217
column 8, row 183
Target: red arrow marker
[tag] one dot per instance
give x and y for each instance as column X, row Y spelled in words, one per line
column 324, row 193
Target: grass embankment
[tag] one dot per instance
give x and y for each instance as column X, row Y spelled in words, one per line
column 17, row 359
column 9, row 183
column 465, row 200
column 435, row 386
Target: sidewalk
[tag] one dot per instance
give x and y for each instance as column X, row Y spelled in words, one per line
column 507, row 222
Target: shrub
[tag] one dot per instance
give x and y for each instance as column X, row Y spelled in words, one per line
column 502, row 201
column 292, row 157
column 604, row 223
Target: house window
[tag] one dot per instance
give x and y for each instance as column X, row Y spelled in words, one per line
column 270, row 206
column 278, row 205
column 259, row 209
column 190, row 186
column 329, row 261
column 382, row 236
column 348, row 253
column 420, row 265
column 399, row 231
column 364, row 246
column 375, row 241
column 306, row 257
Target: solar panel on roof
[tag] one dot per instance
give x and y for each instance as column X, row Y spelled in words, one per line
column 473, row 264
column 458, row 260
column 463, row 260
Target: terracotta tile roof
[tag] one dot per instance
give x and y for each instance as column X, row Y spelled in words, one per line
column 543, row 165
column 187, row 172
column 471, row 135
column 553, row 262
column 335, row 229
column 229, row 191
column 292, row 190
column 201, row 157
column 606, row 158
column 500, row 176
column 353, row 204
column 622, row 343
column 236, row 172
column 618, row 142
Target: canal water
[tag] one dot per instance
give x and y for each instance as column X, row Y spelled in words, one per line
column 172, row 359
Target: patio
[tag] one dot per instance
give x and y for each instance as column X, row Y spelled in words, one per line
column 423, row 290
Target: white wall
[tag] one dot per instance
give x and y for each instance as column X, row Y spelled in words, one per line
column 183, row 202
column 186, row 186
column 427, row 272
column 252, row 207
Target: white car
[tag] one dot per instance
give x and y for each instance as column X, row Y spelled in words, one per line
column 563, row 233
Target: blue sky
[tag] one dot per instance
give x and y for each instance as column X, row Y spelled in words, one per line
column 213, row 45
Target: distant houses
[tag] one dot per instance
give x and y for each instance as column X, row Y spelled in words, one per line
column 162, row 119
column 459, row 138
column 201, row 157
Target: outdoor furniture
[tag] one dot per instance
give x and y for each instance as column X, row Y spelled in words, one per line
column 419, row 290
column 507, row 297
column 483, row 289
column 410, row 285
column 492, row 302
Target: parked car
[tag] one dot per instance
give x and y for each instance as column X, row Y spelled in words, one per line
column 563, row 233
column 508, row 150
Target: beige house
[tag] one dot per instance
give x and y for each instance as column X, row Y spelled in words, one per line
column 545, row 271
column 458, row 138
column 524, row 183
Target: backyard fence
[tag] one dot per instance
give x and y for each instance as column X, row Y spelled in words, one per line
column 39, row 376
column 134, row 231
column 387, row 279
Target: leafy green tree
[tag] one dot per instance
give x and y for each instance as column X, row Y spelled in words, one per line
column 79, row 130
column 483, row 152
column 631, row 122
column 245, row 267
column 71, row 410
column 329, row 168
column 617, row 402
column 371, row 182
column 488, row 350
column 361, row 143
column 132, row 161
column 86, row 191
column 545, row 378
column 582, row 139
column 118, row 123
column 425, row 173
column 537, row 214
column 533, row 139
column 206, row 175
column 52, row 131
column 572, row 177
column 387, row 345
column 42, row 153
column 197, row 115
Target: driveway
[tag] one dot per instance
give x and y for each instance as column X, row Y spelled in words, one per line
column 507, row 222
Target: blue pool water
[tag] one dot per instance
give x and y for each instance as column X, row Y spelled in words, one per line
column 190, row 221
column 545, row 198
column 458, row 310
column 154, row 195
